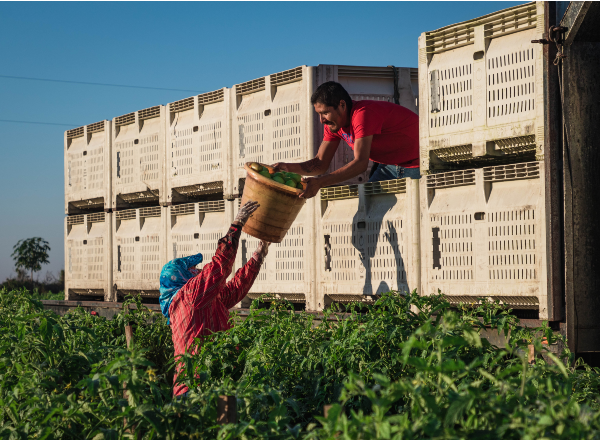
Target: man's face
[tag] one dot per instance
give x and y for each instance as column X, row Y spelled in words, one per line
column 335, row 118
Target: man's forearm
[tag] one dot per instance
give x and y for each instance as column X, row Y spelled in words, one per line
column 313, row 167
column 348, row 171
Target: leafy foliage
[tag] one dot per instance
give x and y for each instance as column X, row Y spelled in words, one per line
column 407, row 367
column 30, row 254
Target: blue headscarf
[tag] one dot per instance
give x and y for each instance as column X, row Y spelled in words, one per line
column 173, row 276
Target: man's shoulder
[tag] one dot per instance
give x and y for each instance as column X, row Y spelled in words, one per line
column 379, row 109
column 371, row 103
column 369, row 106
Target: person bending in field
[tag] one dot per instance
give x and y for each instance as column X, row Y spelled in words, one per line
column 197, row 302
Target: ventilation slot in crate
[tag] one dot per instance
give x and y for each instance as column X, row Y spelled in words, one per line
column 457, row 154
column 185, row 209
column 518, row 302
column 286, row 76
column 182, row 105
column 341, row 298
column 528, row 170
column 128, row 214
column 149, row 113
column 150, row 212
column 517, row 145
column 216, row 206
column 497, row 24
column 452, row 178
column 97, row 217
column 211, row 97
column 74, row 133
column 200, row 189
column 396, row 186
column 366, row 72
column 250, row 86
column 141, row 196
column 461, row 157
column 95, row 127
column 127, row 119
column 75, row 220
column 339, row 192
column 520, row 19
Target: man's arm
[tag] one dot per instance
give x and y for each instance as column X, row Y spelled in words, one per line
column 313, row 167
column 360, row 163
column 236, row 289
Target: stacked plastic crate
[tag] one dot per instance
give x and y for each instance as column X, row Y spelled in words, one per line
column 138, row 186
column 273, row 121
column 198, row 199
column 482, row 137
column 87, row 159
column 368, row 241
column 138, row 158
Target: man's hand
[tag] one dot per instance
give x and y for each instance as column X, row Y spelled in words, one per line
column 312, row 185
column 280, row 166
column 245, row 212
column 261, row 251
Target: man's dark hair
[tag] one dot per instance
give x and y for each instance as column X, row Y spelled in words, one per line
column 330, row 94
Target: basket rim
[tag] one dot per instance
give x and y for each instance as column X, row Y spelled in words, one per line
column 269, row 182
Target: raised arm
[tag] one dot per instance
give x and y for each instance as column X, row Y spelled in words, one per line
column 240, row 285
column 313, row 167
column 201, row 290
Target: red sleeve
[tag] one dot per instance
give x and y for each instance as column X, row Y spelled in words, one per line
column 203, row 289
column 238, row 287
column 328, row 136
column 366, row 122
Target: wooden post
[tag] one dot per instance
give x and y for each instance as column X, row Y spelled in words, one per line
column 129, row 336
column 129, row 339
column 530, row 353
column 227, row 410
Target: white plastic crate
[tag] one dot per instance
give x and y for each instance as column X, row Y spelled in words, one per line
column 88, row 256
column 481, row 90
column 138, row 157
column 289, row 269
column 196, row 228
column 274, row 121
column 88, row 168
column 368, row 241
column 483, row 235
column 198, row 146
column 139, row 250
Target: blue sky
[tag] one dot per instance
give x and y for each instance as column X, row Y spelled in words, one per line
column 192, row 46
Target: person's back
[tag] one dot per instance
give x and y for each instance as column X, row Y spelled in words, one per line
column 392, row 126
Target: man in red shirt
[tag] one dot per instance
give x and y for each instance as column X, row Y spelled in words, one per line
column 386, row 133
column 197, row 303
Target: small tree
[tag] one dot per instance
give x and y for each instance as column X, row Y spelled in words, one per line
column 30, row 254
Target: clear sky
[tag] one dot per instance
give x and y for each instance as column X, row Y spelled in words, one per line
column 193, row 46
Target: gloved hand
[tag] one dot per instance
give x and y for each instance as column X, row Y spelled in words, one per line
column 261, row 251
column 245, row 212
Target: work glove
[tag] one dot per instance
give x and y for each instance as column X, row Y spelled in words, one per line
column 261, row 251
column 245, row 212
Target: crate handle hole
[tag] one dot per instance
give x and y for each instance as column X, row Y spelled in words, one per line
column 480, row 216
column 478, row 55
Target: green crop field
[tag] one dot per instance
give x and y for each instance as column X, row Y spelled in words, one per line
column 389, row 373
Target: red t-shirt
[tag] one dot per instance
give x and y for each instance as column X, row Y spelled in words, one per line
column 395, row 131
